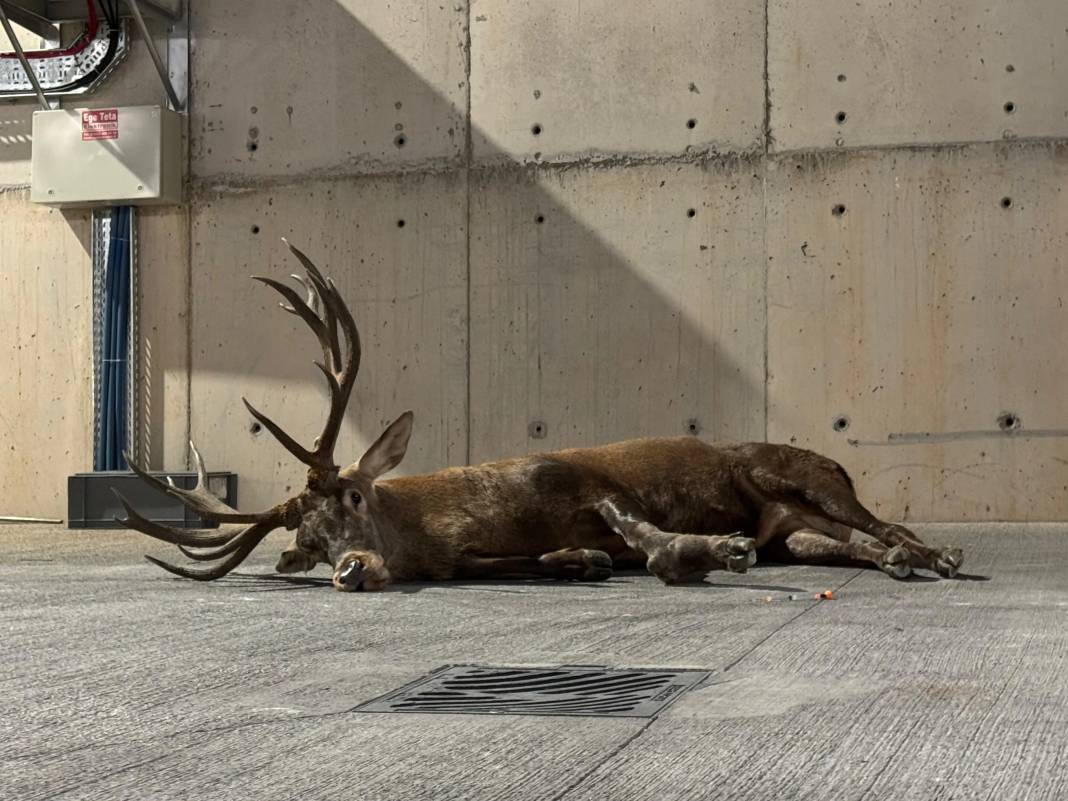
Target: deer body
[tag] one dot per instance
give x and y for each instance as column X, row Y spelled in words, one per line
column 678, row 506
column 548, row 502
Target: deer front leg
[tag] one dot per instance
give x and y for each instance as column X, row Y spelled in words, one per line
column 295, row 559
column 674, row 557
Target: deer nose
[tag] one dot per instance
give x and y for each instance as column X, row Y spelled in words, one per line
column 352, row 573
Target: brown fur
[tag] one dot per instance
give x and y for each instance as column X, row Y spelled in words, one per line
column 633, row 501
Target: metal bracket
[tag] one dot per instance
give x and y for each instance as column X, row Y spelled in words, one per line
column 178, row 56
column 135, row 8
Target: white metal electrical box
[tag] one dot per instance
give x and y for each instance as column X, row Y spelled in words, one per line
column 130, row 155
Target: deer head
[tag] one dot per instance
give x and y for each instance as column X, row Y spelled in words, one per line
column 336, row 515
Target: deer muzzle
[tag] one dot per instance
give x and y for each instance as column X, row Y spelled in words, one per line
column 357, row 571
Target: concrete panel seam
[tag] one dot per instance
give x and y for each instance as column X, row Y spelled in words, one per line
column 188, row 144
column 610, row 755
column 767, row 85
column 222, row 185
column 1020, row 141
column 469, row 151
column 764, row 295
column 237, row 182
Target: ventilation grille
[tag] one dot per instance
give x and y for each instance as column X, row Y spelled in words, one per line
column 569, row 690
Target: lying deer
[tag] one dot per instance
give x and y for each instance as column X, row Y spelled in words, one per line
column 678, row 506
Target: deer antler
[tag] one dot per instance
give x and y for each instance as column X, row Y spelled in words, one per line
column 324, row 311
column 340, row 377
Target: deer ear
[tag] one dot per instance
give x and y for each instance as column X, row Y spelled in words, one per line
column 389, row 449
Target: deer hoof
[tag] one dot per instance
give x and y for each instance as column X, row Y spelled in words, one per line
column 350, row 576
column 742, row 554
column 896, row 562
column 949, row 562
column 598, row 565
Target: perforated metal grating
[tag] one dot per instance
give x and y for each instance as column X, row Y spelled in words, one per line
column 567, row 690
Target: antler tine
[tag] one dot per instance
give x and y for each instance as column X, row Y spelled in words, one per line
column 311, row 295
column 329, row 314
column 346, row 379
column 303, row 310
column 308, row 457
column 237, row 540
column 211, row 554
column 245, row 541
column 169, row 534
column 200, row 500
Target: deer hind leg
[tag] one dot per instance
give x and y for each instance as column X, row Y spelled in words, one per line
column 673, row 557
column 797, row 533
column 842, row 506
column 575, row 564
column 814, row 547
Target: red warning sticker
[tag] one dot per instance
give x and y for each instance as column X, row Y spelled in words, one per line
column 100, row 123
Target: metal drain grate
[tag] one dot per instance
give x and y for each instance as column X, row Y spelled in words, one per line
column 568, row 690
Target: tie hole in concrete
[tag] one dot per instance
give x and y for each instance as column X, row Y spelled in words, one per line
column 1008, row 421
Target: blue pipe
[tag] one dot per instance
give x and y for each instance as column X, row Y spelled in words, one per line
column 111, row 422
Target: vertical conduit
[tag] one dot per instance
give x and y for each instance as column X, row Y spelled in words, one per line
column 112, row 412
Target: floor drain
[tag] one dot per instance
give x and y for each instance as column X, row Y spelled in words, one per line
column 568, row 690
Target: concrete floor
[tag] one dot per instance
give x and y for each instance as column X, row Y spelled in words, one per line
column 121, row 682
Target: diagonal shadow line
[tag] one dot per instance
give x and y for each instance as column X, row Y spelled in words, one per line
column 579, row 286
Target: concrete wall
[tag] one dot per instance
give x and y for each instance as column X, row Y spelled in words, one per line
column 46, row 371
column 735, row 220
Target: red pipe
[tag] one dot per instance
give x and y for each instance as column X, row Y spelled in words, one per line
column 78, row 46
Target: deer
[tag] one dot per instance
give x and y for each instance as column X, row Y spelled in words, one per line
column 679, row 507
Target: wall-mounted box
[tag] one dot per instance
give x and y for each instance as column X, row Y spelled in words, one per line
column 91, row 502
column 107, row 157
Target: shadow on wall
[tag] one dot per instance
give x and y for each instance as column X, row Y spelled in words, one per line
column 597, row 302
column 15, row 130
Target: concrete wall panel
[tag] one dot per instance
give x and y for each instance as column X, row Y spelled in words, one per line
column 607, row 78
column 46, row 345
column 405, row 285
column 916, row 71
column 163, row 254
column 923, row 313
column 618, row 315
column 327, row 85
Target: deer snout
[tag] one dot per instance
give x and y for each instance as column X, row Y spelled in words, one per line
column 357, row 571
